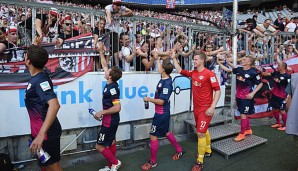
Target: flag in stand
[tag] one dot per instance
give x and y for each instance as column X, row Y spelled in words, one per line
column 227, row 13
column 170, row 4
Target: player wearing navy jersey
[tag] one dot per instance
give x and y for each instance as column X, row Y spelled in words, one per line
column 278, row 100
column 42, row 105
column 161, row 119
column 246, row 79
column 106, row 140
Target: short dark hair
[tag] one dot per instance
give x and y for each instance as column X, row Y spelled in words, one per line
column 268, row 19
column 115, row 73
column 102, row 19
column 201, row 55
column 249, row 20
column 38, row 56
column 180, row 37
column 118, row 3
column 123, row 34
column 168, row 67
column 144, row 42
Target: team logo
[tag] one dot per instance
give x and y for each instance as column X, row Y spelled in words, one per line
column 276, row 80
column 29, row 86
column 197, row 84
column 258, row 77
column 240, row 78
column 201, row 77
column 282, row 78
column 246, row 76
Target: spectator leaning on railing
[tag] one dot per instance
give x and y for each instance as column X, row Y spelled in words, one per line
column 69, row 32
column 42, row 23
column 9, row 45
column 115, row 10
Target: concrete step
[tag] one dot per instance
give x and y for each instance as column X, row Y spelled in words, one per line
column 228, row 146
column 225, row 130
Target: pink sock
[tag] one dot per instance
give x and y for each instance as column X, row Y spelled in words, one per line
column 247, row 124
column 276, row 116
column 243, row 124
column 153, row 150
column 107, row 153
column 113, row 149
column 284, row 119
column 173, row 141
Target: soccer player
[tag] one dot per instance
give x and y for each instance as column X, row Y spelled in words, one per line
column 106, row 143
column 161, row 119
column 42, row 106
column 246, row 79
column 278, row 100
column 206, row 93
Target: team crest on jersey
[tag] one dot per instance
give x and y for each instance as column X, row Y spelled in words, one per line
column 29, row 86
column 282, row 78
column 240, row 78
column 213, row 80
column 45, row 86
column 201, row 77
column 258, row 77
column 159, row 85
column 113, row 91
column 246, row 76
column 197, row 84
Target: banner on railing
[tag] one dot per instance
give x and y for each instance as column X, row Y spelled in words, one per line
column 65, row 64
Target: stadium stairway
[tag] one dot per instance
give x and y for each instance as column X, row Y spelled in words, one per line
column 223, row 131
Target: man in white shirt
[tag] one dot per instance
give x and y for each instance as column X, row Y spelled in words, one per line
column 290, row 27
column 127, row 54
